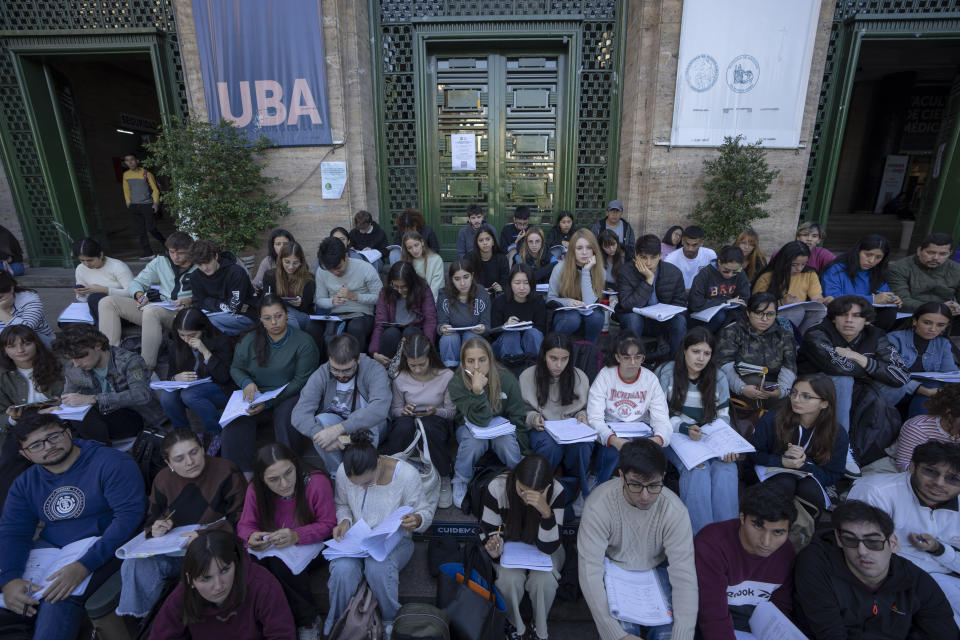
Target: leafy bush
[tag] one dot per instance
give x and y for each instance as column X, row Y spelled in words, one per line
column 217, row 191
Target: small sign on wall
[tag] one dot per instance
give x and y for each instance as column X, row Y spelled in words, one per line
column 333, row 177
column 463, row 151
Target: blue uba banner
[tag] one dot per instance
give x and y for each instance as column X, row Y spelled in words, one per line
column 264, row 68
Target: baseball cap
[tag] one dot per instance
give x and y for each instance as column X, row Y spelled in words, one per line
column 615, row 204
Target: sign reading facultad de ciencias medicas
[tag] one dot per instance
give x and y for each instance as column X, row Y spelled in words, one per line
column 743, row 69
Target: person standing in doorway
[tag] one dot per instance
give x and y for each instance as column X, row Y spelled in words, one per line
column 143, row 202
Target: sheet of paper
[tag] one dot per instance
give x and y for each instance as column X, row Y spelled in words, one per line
column 325, row 318
column 706, row 315
column 659, row 312
column 41, row 563
column 768, row 472
column 903, row 314
column 169, row 306
column 518, row 326
column 463, row 151
column 520, row 555
column 72, row 413
column 498, row 426
column 809, row 304
column 333, row 177
column 143, row 547
column 635, row 596
column 543, row 288
column 372, row 255
column 352, row 544
column 631, row 429
column 718, row 439
column 569, row 431
column 76, row 312
column 173, row 385
column 464, row 328
column 237, row 406
column 297, row 558
column 386, row 535
column 767, row 622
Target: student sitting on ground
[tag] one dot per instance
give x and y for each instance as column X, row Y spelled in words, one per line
column 222, row 288
column 924, row 347
column 462, row 303
column 171, row 273
column 426, row 262
column 346, row 288
column 489, row 262
column 849, row 583
column 468, row 233
column 575, row 282
column 717, row 285
column 278, row 238
column 612, row 253
column 223, row 595
column 114, row 382
column 941, row 423
column 625, row 392
column 292, row 281
column 406, row 302
column 192, row 488
column 348, row 393
column 671, row 240
column 11, row 255
column 367, row 234
column 802, row 434
column 693, row 256
column 862, row 271
column 812, row 235
column 697, row 395
column 613, row 221
column 534, row 252
column 520, row 304
column 790, row 280
column 753, row 259
column 371, row 487
column 76, row 489
column 19, row 305
column 637, row 524
column 561, row 232
column 928, row 276
column 286, row 505
column 525, row 505
column 514, row 232
column 98, row 276
column 482, row 390
column 271, row 356
column 645, row 281
column 411, row 221
column 199, row 350
column 742, row 563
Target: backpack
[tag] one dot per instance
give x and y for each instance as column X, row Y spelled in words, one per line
column 802, row 530
column 420, row 621
column 361, row 620
column 874, row 424
column 587, row 358
column 146, row 453
column 487, row 470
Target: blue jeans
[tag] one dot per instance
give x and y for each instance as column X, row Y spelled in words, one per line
column 143, row 583
column 207, row 400
column 715, row 323
column 299, row 319
column 663, row 631
column 607, row 460
column 383, row 578
column 449, row 347
column 230, row 323
column 15, row 268
column 331, row 459
column 516, row 343
column 844, row 387
column 569, row 322
column 709, row 491
column 470, row 450
column 674, row 328
column 575, row 457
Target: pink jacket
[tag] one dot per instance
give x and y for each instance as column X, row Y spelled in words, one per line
column 319, row 495
column 387, row 311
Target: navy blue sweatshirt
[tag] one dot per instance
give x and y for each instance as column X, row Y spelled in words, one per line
column 101, row 494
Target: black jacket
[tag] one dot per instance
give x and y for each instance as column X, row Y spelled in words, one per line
column 884, row 364
column 218, row 367
column 633, row 290
column 533, row 309
column 306, row 296
column 496, row 269
column 555, row 236
column 428, row 236
column 228, row 289
column 376, row 239
column 829, row 603
column 709, row 288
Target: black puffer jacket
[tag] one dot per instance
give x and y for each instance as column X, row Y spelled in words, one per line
column 831, row 604
column 634, row 291
column 818, row 354
column 228, row 289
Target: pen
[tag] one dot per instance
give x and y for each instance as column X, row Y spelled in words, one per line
column 468, row 372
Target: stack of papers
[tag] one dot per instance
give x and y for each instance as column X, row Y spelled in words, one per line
column 361, row 541
column 660, row 312
column 72, row 413
column 635, row 596
column 609, row 292
column 498, row 426
column 569, row 431
column 950, row 376
column 143, row 547
column 173, row 385
column 706, row 315
column 543, row 288
column 518, row 326
column 718, row 439
column 372, row 255
column 520, row 555
column 237, row 406
column 297, row 557
column 42, row 563
column 476, row 326
column 76, row 312
column 768, row 623
column 631, row 429
column 587, row 309
column 809, row 304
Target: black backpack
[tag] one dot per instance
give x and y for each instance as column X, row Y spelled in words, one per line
column 146, row 453
column 588, row 358
column 486, row 471
column 874, row 424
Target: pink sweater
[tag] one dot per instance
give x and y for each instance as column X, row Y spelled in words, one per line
column 320, row 497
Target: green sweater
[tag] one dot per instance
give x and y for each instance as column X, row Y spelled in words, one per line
column 292, row 359
column 476, row 408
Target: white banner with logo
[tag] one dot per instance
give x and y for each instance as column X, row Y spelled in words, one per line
column 743, row 69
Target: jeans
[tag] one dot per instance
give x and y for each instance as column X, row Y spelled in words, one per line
column 661, row 632
column 714, row 324
column 143, row 583
column 299, row 319
column 802, row 318
column 569, row 322
column 515, row 343
column 207, row 400
column 844, row 387
column 331, row 459
column 232, row 324
column 145, row 221
column 709, row 491
column 607, row 460
column 674, row 328
column 383, row 578
column 15, row 268
column 575, row 457
column 391, row 337
column 449, row 347
column 359, row 327
column 471, row 449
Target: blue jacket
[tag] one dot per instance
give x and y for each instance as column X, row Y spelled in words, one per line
column 764, row 439
column 836, row 283
column 101, row 494
column 938, row 356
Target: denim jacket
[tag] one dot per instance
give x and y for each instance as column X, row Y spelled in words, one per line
column 130, row 378
column 938, row 356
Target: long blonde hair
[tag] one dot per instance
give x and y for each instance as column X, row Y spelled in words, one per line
column 493, row 377
column 756, row 260
column 292, row 284
column 570, row 277
column 405, row 255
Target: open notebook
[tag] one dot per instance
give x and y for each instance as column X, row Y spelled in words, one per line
column 41, row 563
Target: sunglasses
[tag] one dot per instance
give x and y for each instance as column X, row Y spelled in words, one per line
column 850, row 541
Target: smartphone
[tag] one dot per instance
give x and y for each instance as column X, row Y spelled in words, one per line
column 771, row 387
column 420, row 412
column 78, row 286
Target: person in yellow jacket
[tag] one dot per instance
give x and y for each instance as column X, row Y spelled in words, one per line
column 143, row 201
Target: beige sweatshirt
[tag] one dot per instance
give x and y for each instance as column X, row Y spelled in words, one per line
column 637, row 540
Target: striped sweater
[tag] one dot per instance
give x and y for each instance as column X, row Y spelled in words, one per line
column 496, row 503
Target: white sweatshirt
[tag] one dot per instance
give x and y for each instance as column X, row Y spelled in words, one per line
column 613, row 400
column 114, row 275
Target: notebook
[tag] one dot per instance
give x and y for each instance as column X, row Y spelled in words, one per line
column 718, row 439
column 635, row 596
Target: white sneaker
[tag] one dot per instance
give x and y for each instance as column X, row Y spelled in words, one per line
column 852, row 468
column 446, row 493
column 308, row 633
column 459, row 493
column 388, row 631
column 578, row 505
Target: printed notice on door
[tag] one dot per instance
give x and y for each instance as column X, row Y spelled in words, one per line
column 463, row 151
column 333, row 177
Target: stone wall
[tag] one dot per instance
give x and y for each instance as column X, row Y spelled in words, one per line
column 659, row 186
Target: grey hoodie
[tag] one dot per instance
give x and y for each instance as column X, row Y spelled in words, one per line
column 318, row 394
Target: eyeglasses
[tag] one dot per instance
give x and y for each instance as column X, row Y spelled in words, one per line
column 349, row 371
column 803, row 395
column 637, row 357
column 850, row 541
column 653, row 488
column 932, row 474
column 766, row 315
column 40, row 445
